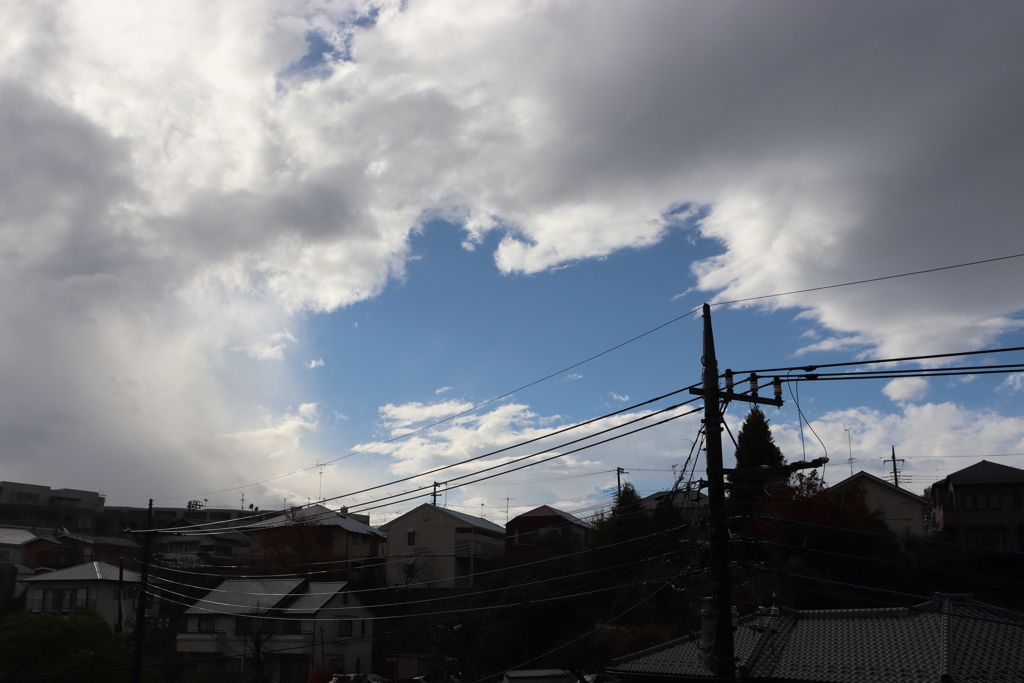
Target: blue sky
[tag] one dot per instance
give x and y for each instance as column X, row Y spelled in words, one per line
column 241, row 239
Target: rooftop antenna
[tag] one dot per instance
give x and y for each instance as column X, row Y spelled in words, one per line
column 243, row 500
column 320, row 492
column 849, row 444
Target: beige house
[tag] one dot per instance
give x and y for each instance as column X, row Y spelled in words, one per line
column 439, row 547
column 293, row 625
column 92, row 585
column 902, row 510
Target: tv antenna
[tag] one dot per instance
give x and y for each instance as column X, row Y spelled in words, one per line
column 849, row 445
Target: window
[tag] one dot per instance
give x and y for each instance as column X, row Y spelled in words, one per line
column 411, row 538
column 896, row 510
column 206, row 624
column 26, row 497
column 291, row 626
column 985, row 538
column 982, row 500
column 526, row 536
column 192, row 547
column 345, row 628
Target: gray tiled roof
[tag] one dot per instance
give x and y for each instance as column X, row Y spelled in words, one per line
column 324, row 515
column 246, row 596
column 474, row 521
column 102, row 540
column 318, row 595
column 548, row 511
column 90, row 571
column 952, row 637
column 9, row 536
column 986, row 472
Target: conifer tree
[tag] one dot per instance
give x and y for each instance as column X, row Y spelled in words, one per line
column 755, row 448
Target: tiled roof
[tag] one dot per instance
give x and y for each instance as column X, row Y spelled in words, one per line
column 548, row 511
column 852, row 479
column 102, row 540
column 10, row 536
column 90, row 571
column 474, row 521
column 986, row 472
column 246, row 596
column 950, row 637
column 317, row 597
column 325, row 516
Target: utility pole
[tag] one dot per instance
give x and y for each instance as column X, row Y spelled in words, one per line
column 618, row 480
column 435, row 494
column 723, row 651
column 723, row 655
column 140, row 598
column 895, row 473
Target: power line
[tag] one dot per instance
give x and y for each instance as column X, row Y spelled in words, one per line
column 861, row 282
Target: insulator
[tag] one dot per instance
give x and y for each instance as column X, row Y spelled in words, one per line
column 753, row 384
column 777, row 385
column 729, row 384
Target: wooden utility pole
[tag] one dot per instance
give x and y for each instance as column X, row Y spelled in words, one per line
column 140, row 598
column 895, row 472
column 722, row 651
column 618, row 480
column 722, row 659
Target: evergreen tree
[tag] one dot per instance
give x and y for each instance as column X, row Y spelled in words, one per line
column 755, row 446
column 755, row 449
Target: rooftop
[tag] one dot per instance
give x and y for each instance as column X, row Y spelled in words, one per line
column 986, row 472
column 952, row 638
column 90, row 571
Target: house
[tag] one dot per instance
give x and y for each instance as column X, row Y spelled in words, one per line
column 980, row 506
column 189, row 545
column 92, row 585
column 948, row 639
column 64, row 549
column 439, row 547
column 902, row 510
column 12, row 542
column 293, row 625
column 336, row 545
column 524, row 531
column 681, row 499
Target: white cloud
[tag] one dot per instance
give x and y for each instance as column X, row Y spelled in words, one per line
column 281, row 436
column 906, row 389
column 318, row 363
column 934, row 439
column 617, row 397
column 1013, row 383
column 175, row 187
column 268, row 347
column 442, row 390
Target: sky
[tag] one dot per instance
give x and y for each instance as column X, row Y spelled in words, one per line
column 249, row 249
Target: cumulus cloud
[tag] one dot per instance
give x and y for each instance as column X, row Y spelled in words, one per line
column 318, row 363
column 934, row 439
column 281, row 436
column 906, row 389
column 269, row 347
column 1013, row 383
column 181, row 180
column 509, row 425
